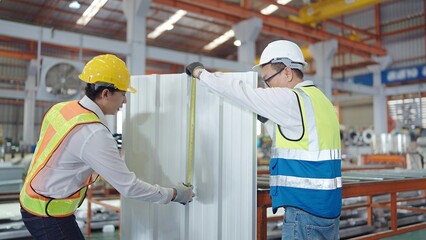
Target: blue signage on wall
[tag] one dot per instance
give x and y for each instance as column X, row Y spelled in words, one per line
column 411, row 73
column 364, row 79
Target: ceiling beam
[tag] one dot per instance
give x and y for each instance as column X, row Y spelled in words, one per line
column 357, row 65
column 235, row 14
column 355, row 88
column 198, row 10
column 355, row 29
column 18, row 55
column 295, row 10
column 285, row 32
column 160, row 8
column 399, row 90
column 47, row 35
column 43, row 20
column 12, row 94
column 71, row 24
column 377, row 20
column 344, row 49
column 85, row 42
column 199, row 37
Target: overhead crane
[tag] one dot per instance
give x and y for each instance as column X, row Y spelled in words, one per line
column 327, row 9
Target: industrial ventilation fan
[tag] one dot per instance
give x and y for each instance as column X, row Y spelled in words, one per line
column 59, row 79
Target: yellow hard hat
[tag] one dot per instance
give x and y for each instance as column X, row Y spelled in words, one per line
column 107, row 68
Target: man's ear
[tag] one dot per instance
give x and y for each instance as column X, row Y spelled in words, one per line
column 105, row 93
column 289, row 74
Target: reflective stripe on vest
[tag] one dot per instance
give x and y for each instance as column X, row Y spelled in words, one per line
column 307, row 183
column 57, row 123
column 305, row 172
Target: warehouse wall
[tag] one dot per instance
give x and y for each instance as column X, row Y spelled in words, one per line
column 405, row 47
column 357, row 113
column 12, row 117
column 409, row 48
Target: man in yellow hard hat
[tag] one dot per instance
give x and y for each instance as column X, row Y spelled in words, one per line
column 306, row 156
column 75, row 147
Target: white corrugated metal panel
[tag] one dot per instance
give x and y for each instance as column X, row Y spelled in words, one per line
column 224, row 171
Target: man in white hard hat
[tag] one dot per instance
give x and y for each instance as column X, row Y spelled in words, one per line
column 306, row 157
column 75, row 144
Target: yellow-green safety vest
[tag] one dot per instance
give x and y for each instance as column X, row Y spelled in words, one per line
column 57, row 123
column 305, row 173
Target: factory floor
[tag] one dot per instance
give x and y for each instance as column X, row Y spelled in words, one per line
column 415, row 235
column 99, row 235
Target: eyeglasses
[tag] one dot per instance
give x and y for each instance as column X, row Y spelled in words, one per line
column 100, row 84
column 272, row 76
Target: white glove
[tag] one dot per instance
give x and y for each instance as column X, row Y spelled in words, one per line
column 184, row 194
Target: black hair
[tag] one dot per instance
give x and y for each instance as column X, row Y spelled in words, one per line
column 278, row 66
column 92, row 91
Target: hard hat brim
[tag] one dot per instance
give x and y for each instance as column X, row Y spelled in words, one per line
column 257, row 68
column 132, row 89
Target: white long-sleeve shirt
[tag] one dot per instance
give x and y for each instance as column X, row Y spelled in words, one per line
column 280, row 105
column 91, row 148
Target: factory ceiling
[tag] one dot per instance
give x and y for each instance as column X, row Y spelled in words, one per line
column 204, row 21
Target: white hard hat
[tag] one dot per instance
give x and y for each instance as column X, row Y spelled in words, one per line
column 282, row 51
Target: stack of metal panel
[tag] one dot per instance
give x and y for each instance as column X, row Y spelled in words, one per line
column 11, row 178
column 382, row 215
column 11, row 225
column 101, row 216
column 353, row 222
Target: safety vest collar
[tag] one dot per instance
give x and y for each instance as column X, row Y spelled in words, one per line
column 87, row 103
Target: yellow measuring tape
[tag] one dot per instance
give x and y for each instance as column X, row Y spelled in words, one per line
column 191, row 132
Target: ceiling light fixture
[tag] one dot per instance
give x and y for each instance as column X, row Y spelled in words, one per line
column 283, row 2
column 272, row 8
column 237, row 43
column 91, row 11
column 269, row 9
column 74, row 5
column 167, row 25
column 218, row 41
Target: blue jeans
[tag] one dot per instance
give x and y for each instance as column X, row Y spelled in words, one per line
column 300, row 225
column 51, row 228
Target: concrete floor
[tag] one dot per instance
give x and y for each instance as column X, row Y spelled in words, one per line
column 416, row 235
column 99, row 235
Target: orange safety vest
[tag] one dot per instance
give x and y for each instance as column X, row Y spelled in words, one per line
column 57, row 123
